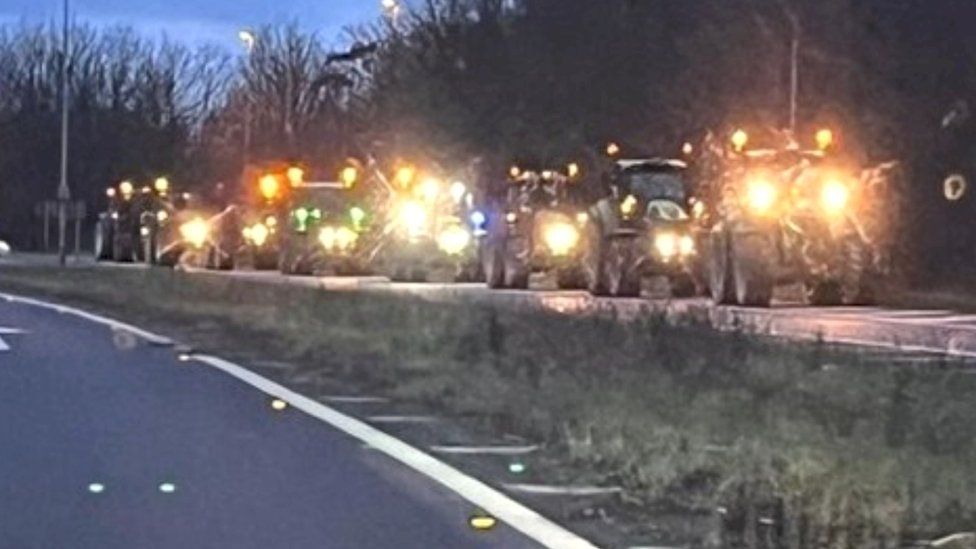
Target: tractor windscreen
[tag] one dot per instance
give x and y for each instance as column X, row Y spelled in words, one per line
column 654, row 185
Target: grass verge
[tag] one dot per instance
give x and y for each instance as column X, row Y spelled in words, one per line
column 789, row 445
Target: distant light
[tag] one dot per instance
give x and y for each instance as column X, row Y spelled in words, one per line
column 478, row 218
column 613, row 149
column 278, row 404
column 482, row 522
column 184, row 357
column 167, row 487
column 96, row 488
column 516, row 468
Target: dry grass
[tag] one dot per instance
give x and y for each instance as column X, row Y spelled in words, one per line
column 839, row 448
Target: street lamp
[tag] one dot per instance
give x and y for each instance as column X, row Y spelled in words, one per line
column 248, row 38
column 64, row 193
column 391, row 8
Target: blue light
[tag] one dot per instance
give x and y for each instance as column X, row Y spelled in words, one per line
column 478, row 219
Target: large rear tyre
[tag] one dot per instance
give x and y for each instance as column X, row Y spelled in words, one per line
column 103, row 238
column 682, row 286
column 857, row 279
column 494, row 267
column 620, row 264
column 720, row 283
column 570, row 278
column 122, row 251
column 593, row 262
column 516, row 273
column 751, row 261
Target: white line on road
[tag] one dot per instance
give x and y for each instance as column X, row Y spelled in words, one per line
column 488, row 450
column 8, row 331
column 355, row 399
column 492, row 501
column 401, row 419
column 105, row 321
column 547, row 490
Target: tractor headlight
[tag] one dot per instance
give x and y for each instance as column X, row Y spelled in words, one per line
column 628, row 206
column 458, row 190
column 760, row 195
column 560, row 238
column 453, row 240
column 337, row 238
column 162, row 215
column 834, row 196
column 346, row 238
column 258, row 234
column 667, row 245
column 413, row 217
column 195, row 232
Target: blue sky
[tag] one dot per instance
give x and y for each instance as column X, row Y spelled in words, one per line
column 201, row 20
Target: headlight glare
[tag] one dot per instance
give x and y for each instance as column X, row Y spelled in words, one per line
column 834, row 196
column 560, row 238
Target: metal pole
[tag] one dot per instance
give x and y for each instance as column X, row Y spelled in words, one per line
column 64, row 194
column 77, row 230
column 794, row 73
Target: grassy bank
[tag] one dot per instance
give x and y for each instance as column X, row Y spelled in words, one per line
column 799, row 446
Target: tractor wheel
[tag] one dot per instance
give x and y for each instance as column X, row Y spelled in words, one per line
column 218, row 261
column 516, row 273
column 856, row 276
column 720, row 284
column 122, row 250
column 620, row 262
column 418, row 275
column 682, row 286
column 264, row 261
column 751, row 260
column 150, row 253
column 103, row 238
column 570, row 278
column 593, row 265
column 494, row 267
column 824, row 293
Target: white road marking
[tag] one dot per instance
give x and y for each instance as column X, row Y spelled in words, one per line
column 487, row 450
column 105, row 321
column 8, row 331
column 547, row 490
column 492, row 501
column 401, row 419
column 355, row 399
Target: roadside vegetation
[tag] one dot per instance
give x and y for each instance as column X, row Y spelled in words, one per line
column 788, row 445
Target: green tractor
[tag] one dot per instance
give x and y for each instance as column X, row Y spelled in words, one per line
column 787, row 215
column 641, row 229
column 538, row 229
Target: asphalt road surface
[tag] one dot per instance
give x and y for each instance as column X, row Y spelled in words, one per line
column 108, row 441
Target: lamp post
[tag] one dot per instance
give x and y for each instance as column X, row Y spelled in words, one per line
column 391, row 8
column 248, row 39
column 64, row 193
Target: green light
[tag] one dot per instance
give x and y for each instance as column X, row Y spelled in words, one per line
column 301, row 214
column 316, row 214
column 357, row 214
column 516, row 468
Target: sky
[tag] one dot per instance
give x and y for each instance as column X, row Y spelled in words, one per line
column 200, row 21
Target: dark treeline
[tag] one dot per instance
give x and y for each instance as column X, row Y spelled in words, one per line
column 499, row 79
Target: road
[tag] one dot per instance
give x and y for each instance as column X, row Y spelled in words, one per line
column 925, row 331
column 107, row 440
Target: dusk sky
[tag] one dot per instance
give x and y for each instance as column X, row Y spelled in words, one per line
column 200, row 20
